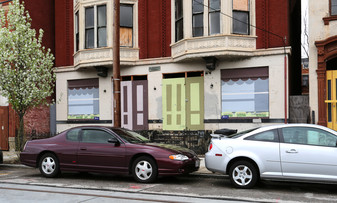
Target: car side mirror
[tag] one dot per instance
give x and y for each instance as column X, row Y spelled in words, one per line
column 114, row 141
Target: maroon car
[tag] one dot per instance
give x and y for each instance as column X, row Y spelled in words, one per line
column 107, row 150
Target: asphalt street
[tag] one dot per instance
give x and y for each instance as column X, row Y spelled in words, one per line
column 203, row 187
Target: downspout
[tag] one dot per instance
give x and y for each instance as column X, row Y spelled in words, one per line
column 285, row 83
column 285, row 90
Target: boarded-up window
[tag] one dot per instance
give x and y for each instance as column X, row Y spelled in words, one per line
column 241, row 17
column 126, row 25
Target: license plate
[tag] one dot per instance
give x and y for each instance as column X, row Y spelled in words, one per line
column 197, row 163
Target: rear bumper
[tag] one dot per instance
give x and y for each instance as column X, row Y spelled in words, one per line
column 28, row 159
column 216, row 163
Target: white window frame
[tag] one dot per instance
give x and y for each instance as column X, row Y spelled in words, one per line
column 226, row 22
column 80, row 5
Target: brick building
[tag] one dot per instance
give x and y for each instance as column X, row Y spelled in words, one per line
column 185, row 64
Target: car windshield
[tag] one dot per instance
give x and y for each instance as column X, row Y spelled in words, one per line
column 239, row 134
column 130, row 136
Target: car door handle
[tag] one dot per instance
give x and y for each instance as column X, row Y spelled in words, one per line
column 292, row 151
column 83, row 148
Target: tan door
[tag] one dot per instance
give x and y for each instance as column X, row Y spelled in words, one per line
column 4, row 127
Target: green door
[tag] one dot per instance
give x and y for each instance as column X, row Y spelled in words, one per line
column 183, row 105
column 195, row 103
column 174, row 104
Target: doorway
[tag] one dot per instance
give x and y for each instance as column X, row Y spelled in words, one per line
column 183, row 101
column 331, row 99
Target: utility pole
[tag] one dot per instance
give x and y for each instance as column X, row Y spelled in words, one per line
column 116, row 65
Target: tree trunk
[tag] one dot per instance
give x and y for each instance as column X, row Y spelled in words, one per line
column 20, row 138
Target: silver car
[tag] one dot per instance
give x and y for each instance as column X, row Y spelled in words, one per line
column 295, row 152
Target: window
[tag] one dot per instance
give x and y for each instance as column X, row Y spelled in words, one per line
column 126, row 25
column 198, row 18
column 214, row 17
column 245, row 92
column 72, row 135
column 179, row 22
column 305, row 80
column 83, row 99
column 241, row 17
column 95, row 27
column 77, row 34
column 333, row 7
column 268, row 136
column 101, row 26
column 308, row 136
column 96, row 136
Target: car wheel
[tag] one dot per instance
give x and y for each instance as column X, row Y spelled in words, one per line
column 144, row 170
column 49, row 165
column 243, row 174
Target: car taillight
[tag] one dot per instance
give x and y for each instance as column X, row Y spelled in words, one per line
column 24, row 148
column 210, row 147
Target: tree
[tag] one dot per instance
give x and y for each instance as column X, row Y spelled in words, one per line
column 26, row 67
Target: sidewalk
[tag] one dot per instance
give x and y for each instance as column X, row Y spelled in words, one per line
column 11, row 157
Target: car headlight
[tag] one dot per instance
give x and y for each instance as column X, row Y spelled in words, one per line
column 178, row 157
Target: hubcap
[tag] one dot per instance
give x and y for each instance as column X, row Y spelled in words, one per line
column 242, row 175
column 48, row 165
column 143, row 170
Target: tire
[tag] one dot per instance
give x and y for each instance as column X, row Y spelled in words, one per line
column 144, row 170
column 243, row 174
column 49, row 165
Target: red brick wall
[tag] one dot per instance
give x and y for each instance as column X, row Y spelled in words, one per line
column 272, row 17
column 37, row 120
column 42, row 14
column 64, row 36
column 154, row 28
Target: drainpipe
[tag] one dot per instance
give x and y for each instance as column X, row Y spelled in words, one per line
column 285, row 90
column 285, row 83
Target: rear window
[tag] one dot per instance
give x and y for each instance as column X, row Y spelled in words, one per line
column 239, row 134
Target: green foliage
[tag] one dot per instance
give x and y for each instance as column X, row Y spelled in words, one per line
column 26, row 67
